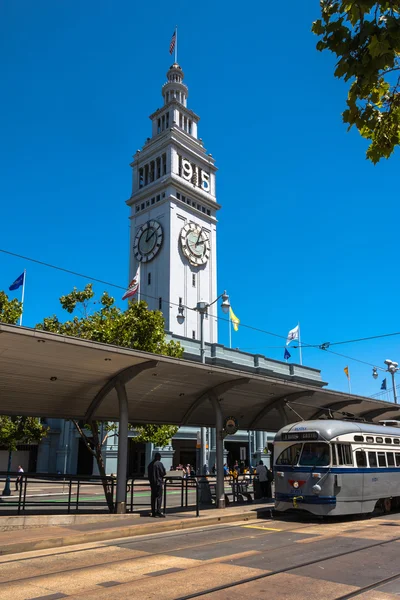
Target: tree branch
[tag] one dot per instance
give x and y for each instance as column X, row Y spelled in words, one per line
column 84, row 437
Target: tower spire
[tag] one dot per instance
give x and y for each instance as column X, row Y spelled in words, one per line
column 175, row 89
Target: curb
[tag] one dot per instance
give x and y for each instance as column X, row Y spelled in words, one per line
column 130, row 531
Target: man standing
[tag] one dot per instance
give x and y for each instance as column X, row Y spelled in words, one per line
column 261, row 471
column 156, row 472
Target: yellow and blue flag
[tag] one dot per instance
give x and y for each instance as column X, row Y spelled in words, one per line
column 234, row 319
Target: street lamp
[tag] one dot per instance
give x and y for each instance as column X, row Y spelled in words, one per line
column 392, row 368
column 202, row 309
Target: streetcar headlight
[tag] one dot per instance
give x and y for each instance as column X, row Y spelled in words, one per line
column 316, row 489
column 295, row 484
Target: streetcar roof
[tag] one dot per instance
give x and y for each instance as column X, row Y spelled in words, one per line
column 331, row 428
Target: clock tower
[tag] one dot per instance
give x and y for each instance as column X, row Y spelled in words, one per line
column 173, row 215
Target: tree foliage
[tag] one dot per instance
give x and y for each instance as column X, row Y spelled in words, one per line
column 20, row 430
column 137, row 328
column 10, row 310
column 365, row 37
column 17, row 430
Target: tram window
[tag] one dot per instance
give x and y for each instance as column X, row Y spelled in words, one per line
column 358, row 438
column 390, row 459
column 290, row 455
column 361, row 458
column 344, row 454
column 397, row 459
column 372, row 459
column 396, row 442
column 379, row 440
column 315, row 455
column 388, row 440
column 381, row 459
column 369, row 439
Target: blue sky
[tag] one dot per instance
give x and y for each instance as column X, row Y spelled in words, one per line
column 307, row 228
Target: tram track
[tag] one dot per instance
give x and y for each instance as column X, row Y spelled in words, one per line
column 139, row 542
column 301, row 565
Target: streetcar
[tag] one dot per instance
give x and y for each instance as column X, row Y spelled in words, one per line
column 333, row 467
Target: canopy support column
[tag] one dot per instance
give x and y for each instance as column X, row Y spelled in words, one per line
column 219, row 451
column 122, row 448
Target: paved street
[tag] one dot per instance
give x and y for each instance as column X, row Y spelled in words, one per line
column 278, row 559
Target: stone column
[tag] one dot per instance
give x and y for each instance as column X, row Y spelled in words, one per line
column 259, row 449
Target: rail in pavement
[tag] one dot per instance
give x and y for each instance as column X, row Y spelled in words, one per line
column 25, row 540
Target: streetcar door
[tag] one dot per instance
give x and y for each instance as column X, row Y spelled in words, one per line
column 361, row 463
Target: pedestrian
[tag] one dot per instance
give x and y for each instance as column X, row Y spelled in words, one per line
column 18, row 480
column 156, row 472
column 261, row 471
column 226, row 470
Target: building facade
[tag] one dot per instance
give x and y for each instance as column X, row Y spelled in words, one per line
column 173, row 242
column 173, row 214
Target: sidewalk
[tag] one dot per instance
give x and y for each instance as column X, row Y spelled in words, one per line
column 82, row 529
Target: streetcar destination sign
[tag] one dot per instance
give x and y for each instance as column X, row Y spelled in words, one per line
column 303, row 435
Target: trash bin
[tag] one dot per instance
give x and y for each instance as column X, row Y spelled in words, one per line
column 257, row 489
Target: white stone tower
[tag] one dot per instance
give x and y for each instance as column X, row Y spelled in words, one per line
column 173, row 215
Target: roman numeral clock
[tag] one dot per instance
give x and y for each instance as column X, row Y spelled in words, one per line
column 195, row 244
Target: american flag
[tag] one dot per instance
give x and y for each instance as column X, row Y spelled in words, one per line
column 172, row 43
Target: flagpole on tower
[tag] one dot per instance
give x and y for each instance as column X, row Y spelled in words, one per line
column 176, row 44
column 300, row 354
column 22, row 299
column 230, row 332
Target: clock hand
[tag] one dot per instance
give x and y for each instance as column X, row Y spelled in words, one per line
column 152, row 233
column 201, row 241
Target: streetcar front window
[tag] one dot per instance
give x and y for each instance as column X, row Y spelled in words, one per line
column 290, row 455
column 315, row 455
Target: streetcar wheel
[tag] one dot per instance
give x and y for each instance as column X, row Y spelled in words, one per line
column 387, row 505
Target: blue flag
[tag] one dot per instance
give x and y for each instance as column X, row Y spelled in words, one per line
column 383, row 386
column 18, row 282
column 286, row 354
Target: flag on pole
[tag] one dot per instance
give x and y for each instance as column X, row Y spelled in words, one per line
column 133, row 286
column 234, row 319
column 383, row 386
column 293, row 335
column 346, row 370
column 286, row 354
column 18, row 282
column 172, row 43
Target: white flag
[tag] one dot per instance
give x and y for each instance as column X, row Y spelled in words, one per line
column 293, row 335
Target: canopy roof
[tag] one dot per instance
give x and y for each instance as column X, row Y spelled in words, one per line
column 49, row 375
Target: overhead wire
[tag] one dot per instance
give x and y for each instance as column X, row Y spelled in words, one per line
column 324, row 347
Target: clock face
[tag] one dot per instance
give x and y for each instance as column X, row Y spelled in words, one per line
column 195, row 244
column 148, row 241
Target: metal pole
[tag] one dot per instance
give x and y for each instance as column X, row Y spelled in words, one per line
column 219, row 447
column 300, row 354
column 176, row 44
column 249, row 435
column 122, row 448
column 203, row 454
column 394, row 388
column 22, row 299
column 7, row 488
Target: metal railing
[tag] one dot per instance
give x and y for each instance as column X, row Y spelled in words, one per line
column 72, row 491
column 182, row 483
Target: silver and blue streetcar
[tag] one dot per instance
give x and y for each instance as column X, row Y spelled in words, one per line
column 332, row 467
